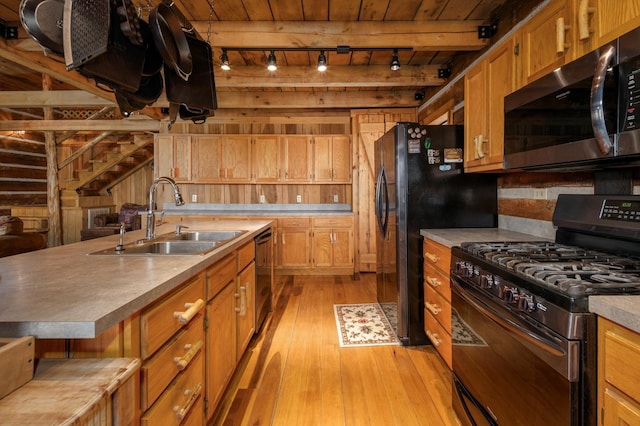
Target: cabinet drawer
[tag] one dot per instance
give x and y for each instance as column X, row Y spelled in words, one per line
column 159, row 322
column 437, row 280
column 221, row 274
column 439, row 307
column 332, row 222
column 439, row 337
column 621, row 360
column 176, row 356
column 437, row 255
column 294, row 222
column 179, row 400
column 246, row 254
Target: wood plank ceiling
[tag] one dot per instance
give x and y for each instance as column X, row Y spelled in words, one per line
column 432, row 31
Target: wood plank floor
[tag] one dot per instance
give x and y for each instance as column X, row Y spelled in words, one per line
column 295, row 372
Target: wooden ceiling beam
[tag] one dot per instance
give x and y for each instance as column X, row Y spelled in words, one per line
column 418, row 35
column 52, row 98
column 335, row 76
column 127, row 125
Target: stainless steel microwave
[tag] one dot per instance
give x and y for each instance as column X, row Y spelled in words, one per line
column 582, row 115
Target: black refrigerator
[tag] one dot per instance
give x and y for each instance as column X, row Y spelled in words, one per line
column 420, row 184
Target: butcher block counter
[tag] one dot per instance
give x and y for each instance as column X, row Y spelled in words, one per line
column 64, row 293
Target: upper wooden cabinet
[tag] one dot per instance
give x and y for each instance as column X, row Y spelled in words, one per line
column 222, row 158
column 173, row 157
column 266, row 158
column 296, row 158
column 332, row 159
column 597, row 22
column 546, row 41
column 485, row 87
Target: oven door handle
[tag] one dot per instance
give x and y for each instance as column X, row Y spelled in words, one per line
column 513, row 326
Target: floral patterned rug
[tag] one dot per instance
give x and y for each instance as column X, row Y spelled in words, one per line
column 363, row 325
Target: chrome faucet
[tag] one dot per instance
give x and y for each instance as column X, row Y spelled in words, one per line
column 120, row 246
column 151, row 219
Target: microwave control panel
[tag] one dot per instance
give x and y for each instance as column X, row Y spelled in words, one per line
column 630, row 98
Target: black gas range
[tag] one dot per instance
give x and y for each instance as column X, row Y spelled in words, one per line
column 533, row 298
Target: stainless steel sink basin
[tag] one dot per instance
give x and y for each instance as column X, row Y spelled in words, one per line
column 206, row 235
column 162, row 248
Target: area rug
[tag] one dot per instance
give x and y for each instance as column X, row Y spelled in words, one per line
column 462, row 333
column 363, row 325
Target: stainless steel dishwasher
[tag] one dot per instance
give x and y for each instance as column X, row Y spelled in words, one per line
column 264, row 276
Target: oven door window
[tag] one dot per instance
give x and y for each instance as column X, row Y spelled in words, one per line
column 512, row 381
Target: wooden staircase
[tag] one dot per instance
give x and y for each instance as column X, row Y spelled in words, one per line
column 112, row 166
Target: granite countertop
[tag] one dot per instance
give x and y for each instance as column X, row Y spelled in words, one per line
column 624, row 310
column 62, row 292
column 258, row 210
column 451, row 237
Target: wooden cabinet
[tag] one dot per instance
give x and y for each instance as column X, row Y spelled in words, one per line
column 173, row 157
column 222, row 158
column 437, row 297
column 266, row 158
column 332, row 159
column 618, row 374
column 293, row 245
column 333, row 242
column 172, row 350
column 597, row 22
column 547, row 40
column 296, row 158
column 245, row 298
column 485, row 87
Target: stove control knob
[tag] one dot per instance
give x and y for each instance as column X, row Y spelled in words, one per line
column 510, row 295
column 526, row 303
column 486, row 281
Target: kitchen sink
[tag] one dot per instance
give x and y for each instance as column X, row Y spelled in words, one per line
column 185, row 243
column 162, row 248
column 204, row 235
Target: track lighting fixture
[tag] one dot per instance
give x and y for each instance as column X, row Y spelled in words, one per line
column 224, row 61
column 271, row 63
column 322, row 62
column 395, row 63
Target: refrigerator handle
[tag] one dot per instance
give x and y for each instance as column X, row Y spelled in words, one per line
column 378, row 202
column 384, row 202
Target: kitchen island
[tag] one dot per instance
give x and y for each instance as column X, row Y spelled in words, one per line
column 63, row 292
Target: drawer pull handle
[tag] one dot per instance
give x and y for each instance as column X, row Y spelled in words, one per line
column 242, row 310
column 181, row 412
column 183, row 361
column 434, row 281
column 434, row 309
column 191, row 311
column 434, row 338
column 432, row 257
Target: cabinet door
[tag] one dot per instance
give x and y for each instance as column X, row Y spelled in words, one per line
column 296, row 158
column 207, row 158
column 475, row 99
column 245, row 307
column 546, row 40
column 294, row 247
column 323, row 248
column 173, row 157
column 332, row 159
column 266, row 159
column 342, row 247
column 236, row 158
column 612, row 18
column 221, row 344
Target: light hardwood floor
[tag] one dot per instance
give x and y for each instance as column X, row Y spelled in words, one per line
column 295, row 372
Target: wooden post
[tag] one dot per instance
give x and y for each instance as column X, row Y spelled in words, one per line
column 54, row 237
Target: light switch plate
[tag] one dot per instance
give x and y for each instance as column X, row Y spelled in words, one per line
column 262, row 200
column 335, row 198
column 194, row 198
column 298, row 198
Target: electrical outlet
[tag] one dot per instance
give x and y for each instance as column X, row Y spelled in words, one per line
column 539, row 193
column 262, row 200
column 194, row 198
column 335, row 198
column 298, row 198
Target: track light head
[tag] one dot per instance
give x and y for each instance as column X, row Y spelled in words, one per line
column 271, row 62
column 395, row 63
column 322, row 62
column 224, row 60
